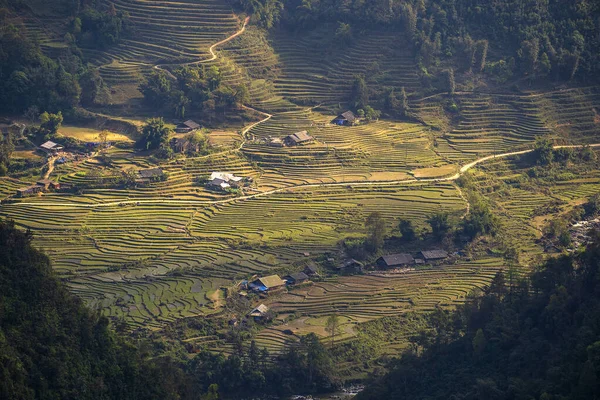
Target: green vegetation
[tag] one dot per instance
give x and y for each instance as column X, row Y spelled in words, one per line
column 491, row 347
column 51, row 346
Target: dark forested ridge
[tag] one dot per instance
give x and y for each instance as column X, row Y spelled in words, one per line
column 538, row 339
column 52, row 347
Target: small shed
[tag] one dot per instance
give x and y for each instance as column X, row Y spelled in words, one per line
column 351, row 266
column 395, row 260
column 183, row 145
column 259, row 312
column 298, row 138
column 152, row 174
column 187, row 126
column 434, row 255
column 346, row 118
column 275, row 142
column 29, row 191
column 51, row 147
column 296, row 278
column 311, row 270
column 223, row 180
column 48, row 184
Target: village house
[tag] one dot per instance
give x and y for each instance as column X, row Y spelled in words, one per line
column 296, row 278
column 433, row 255
column 150, row 175
column 298, row 138
column 224, row 181
column 347, row 119
column 183, row 145
column 395, row 260
column 187, row 126
column 267, row 284
column 29, row 191
column 311, row 270
column 259, row 312
column 48, row 184
column 51, row 147
column 275, row 142
column 350, row 266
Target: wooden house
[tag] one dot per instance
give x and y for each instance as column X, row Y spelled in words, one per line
column 345, row 119
column 29, row 191
column 311, row 270
column 150, row 175
column 267, row 284
column 350, row 266
column 187, row 126
column 259, row 312
column 298, row 138
column 433, row 255
column 395, row 260
column 296, row 278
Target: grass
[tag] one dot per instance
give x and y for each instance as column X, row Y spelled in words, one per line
column 91, row 134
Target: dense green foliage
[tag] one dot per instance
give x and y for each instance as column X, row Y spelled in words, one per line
column 98, row 29
column 155, row 134
column 196, row 89
column 535, row 339
column 52, row 347
column 27, row 77
column 542, row 38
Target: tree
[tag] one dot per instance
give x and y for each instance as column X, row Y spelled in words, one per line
column 528, row 54
column 155, row 134
column 440, row 224
column 450, row 82
column 375, row 225
column 481, row 49
column 50, row 123
column 371, row 114
column 360, row 93
column 332, row 325
column 212, row 393
column 403, row 107
column 479, row 343
column 103, row 139
column 343, row 33
column 544, row 151
column 406, row 229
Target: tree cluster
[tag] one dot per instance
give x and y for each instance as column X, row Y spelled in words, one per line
column 535, row 338
column 195, row 89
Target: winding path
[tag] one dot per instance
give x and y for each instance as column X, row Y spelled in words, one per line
column 452, row 178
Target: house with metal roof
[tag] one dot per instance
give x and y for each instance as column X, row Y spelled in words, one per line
column 267, row 283
column 296, row 278
column 51, row 147
column 259, row 312
column 298, row 138
column 346, row 118
column 187, row 126
column 433, row 255
column 395, row 260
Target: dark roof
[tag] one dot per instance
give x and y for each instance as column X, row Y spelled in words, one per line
column 300, row 137
column 351, row 262
column 190, row 124
column 299, row 276
column 150, row 173
column 397, row 259
column 348, row 115
column 311, row 268
column 434, row 254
